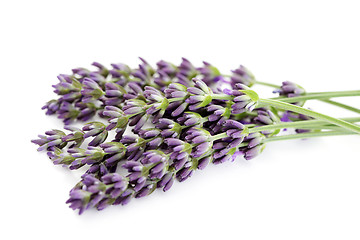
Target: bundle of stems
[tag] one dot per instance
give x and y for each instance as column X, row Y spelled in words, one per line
column 161, row 124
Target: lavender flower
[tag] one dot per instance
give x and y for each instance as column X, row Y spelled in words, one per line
column 176, row 94
column 169, row 128
column 117, row 191
column 59, row 157
column 290, row 89
column 115, row 152
column 168, row 68
column 67, row 84
column 96, row 130
column 162, row 80
column 91, row 192
column 91, row 90
column 136, row 146
column 254, row 145
column 210, row 73
column 194, row 122
column 243, row 76
column 166, row 181
column 114, row 94
column 156, row 163
column 81, row 73
column 134, row 91
column 120, row 73
column 67, row 112
column 87, row 156
column 266, row 118
column 218, row 113
column 85, row 110
column 244, row 99
column 204, row 161
column 117, row 120
column 158, row 103
column 185, row 172
column 52, row 106
column 201, row 95
column 180, row 152
column 152, row 137
column 145, row 72
column 201, row 139
column 136, row 109
column 88, row 194
column 76, row 137
column 152, row 166
column 192, row 119
column 53, row 138
column 235, row 132
column 187, row 69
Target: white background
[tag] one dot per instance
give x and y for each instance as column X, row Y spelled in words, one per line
column 301, row 189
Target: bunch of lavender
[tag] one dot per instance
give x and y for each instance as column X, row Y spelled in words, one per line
column 160, row 124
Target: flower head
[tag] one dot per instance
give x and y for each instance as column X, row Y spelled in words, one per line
column 243, row 76
column 187, row 69
column 245, row 99
column 91, row 90
column 210, row 73
column 201, row 95
column 94, row 192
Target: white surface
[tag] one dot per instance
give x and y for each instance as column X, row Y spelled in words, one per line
column 294, row 190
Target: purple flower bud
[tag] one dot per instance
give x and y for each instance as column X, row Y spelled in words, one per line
column 203, row 162
column 290, row 89
column 242, row 75
column 96, row 130
column 210, row 73
column 168, row 128
column 52, row 138
column 134, row 91
column 168, row 68
column 91, row 90
column 144, row 72
column 254, row 147
column 186, row 69
column 191, row 119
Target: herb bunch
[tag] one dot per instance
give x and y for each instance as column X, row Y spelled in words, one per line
column 161, row 124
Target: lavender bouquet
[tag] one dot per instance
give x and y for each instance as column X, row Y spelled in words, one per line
column 182, row 118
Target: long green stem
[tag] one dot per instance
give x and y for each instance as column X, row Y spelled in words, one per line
column 324, row 95
column 222, row 96
column 300, row 125
column 307, row 135
column 290, row 107
column 335, row 103
column 347, row 107
column 218, row 136
column 267, row 84
column 324, row 127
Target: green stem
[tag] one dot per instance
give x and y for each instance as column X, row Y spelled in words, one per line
column 222, row 96
column 323, row 100
column 307, row 135
column 267, row 84
column 347, row 107
column 323, row 95
column 175, row 99
column 325, row 127
column 299, row 125
column 218, row 136
column 290, row 107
